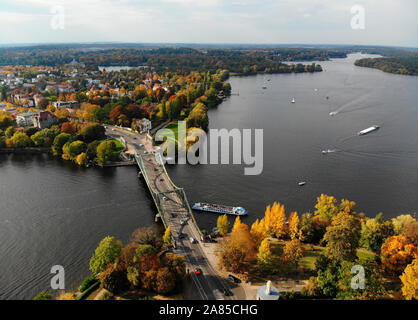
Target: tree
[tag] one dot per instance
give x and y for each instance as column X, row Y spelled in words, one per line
column 400, row 221
column 59, row 141
column 198, row 117
column 147, row 236
column 258, row 232
column 105, row 151
column 275, row 221
column 165, row 281
column 292, row 252
column 312, row 228
column 374, row 233
column 108, row 250
column 343, row 237
column 409, row 280
column 43, row 296
column 167, row 238
column 397, row 253
column 81, row 159
column 66, row 296
column 223, row 225
column 114, row 279
column 20, row 140
column 68, row 127
column 6, row 120
column 326, row 208
column 265, row 256
column 176, row 264
column 294, row 231
column 73, row 149
column 410, row 231
column 10, row 131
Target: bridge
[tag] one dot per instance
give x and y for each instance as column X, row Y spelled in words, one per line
column 173, row 208
column 170, row 200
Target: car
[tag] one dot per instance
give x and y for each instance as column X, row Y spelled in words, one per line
column 141, row 145
column 192, row 240
column 227, row 293
column 165, row 198
column 113, row 129
column 161, row 179
column 197, row 270
column 182, row 236
column 235, row 279
column 134, row 138
column 183, row 222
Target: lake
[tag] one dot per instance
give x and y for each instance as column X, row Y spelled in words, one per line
column 54, row 213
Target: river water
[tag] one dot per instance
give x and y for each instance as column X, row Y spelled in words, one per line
column 52, row 213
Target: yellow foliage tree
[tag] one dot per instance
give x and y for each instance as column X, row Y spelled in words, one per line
column 81, row 159
column 167, row 236
column 292, row 252
column 275, row 221
column 66, row 296
column 265, row 256
column 294, row 231
column 409, row 280
column 258, row 231
column 223, row 225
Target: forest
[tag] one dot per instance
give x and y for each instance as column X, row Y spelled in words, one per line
column 398, row 65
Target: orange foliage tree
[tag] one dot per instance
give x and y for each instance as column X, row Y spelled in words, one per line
column 275, row 220
column 396, row 253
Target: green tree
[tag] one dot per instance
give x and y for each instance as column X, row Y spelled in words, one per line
column 10, row 131
column 105, row 152
column 343, row 237
column 107, row 252
column 374, row 232
column 59, row 141
column 43, row 296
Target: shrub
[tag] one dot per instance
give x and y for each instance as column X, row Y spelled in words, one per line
column 87, row 283
column 43, row 296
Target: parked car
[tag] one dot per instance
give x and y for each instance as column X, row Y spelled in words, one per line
column 197, row 270
column 165, row 198
column 235, row 279
column 182, row 236
column 227, row 293
column 193, row 240
column 183, row 222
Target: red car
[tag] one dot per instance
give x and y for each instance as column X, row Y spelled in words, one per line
column 197, row 270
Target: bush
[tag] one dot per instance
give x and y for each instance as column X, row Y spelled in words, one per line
column 43, row 296
column 87, row 283
column 107, row 296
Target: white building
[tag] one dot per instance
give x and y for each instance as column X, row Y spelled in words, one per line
column 268, row 292
column 25, row 119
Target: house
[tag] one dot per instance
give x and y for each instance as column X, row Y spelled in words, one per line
column 37, row 98
column 44, row 119
column 143, row 125
column 12, row 111
column 25, row 119
column 66, row 104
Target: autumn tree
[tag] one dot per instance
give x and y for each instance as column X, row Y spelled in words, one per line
column 292, row 252
column 397, row 253
column 374, row 232
column 258, row 232
column 294, row 231
column 223, row 225
column 343, row 237
column 409, row 280
column 265, row 256
column 400, row 221
column 66, row 296
column 167, row 236
column 275, row 221
column 107, row 252
column 410, row 231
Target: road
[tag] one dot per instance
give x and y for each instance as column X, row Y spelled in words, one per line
column 208, row 285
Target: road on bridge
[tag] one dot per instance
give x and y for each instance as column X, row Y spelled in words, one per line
column 209, row 285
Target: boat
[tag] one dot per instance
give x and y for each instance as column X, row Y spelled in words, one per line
column 327, row 151
column 368, row 130
column 293, row 100
column 216, row 208
column 333, row 113
column 327, row 97
column 302, row 183
column 264, row 87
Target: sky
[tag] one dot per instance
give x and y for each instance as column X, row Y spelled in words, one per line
column 386, row 22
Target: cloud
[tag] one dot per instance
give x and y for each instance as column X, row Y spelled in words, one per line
column 249, row 21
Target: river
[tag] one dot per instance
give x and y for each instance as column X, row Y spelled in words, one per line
column 52, row 213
